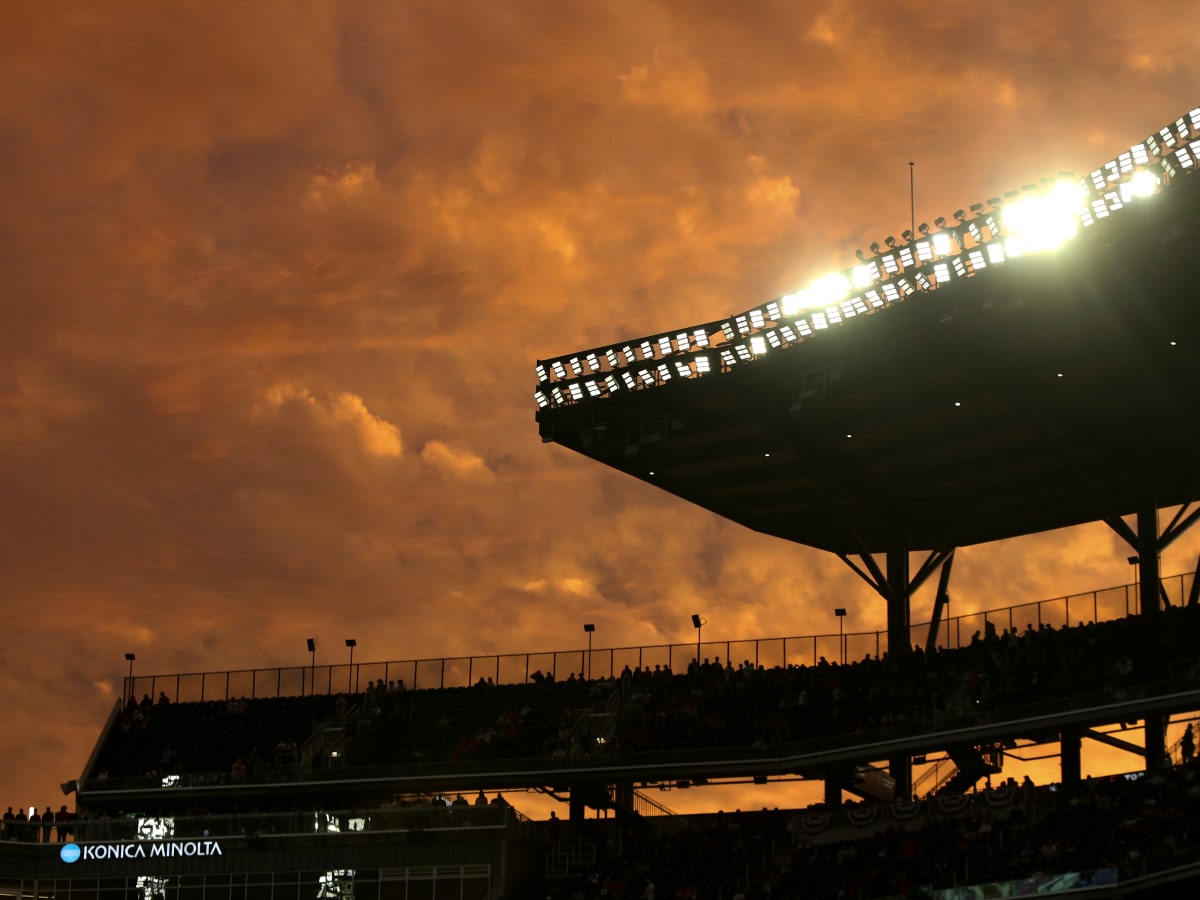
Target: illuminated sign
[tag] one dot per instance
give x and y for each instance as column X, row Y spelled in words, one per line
column 141, row 850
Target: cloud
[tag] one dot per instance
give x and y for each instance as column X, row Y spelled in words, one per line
column 455, row 463
column 343, row 413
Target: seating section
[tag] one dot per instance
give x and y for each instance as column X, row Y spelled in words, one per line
column 715, row 706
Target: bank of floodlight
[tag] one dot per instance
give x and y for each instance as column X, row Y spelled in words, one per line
column 1142, row 184
column 1187, row 156
column 1042, row 221
column 1023, row 221
column 825, row 291
column 865, row 275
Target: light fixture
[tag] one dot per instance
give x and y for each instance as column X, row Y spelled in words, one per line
column 840, row 612
column 590, row 628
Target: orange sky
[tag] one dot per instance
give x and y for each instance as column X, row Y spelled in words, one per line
column 276, row 276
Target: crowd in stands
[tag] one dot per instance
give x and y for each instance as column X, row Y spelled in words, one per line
column 36, row 827
column 714, row 705
column 1102, row 830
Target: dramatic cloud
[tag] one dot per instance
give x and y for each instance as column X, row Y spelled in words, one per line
column 276, row 276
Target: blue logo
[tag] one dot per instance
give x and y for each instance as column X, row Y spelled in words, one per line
column 69, row 853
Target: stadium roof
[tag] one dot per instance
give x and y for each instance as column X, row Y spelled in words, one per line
column 1061, row 388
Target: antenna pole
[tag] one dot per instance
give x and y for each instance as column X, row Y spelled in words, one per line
column 912, row 200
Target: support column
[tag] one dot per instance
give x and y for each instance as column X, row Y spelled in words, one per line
column 899, row 645
column 577, row 805
column 1149, row 595
column 899, row 639
column 833, row 793
column 1147, row 550
column 1072, row 766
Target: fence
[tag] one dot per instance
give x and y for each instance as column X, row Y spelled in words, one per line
column 519, row 668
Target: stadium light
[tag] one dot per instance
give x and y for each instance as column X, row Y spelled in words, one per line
column 351, row 643
column 1033, row 219
column 130, row 658
column 840, row 612
column 590, row 628
column 698, row 623
column 312, row 648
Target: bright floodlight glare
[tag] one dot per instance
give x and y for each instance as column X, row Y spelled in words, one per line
column 865, row 275
column 825, row 291
column 1042, row 221
column 941, row 243
column 758, row 345
column 1142, row 184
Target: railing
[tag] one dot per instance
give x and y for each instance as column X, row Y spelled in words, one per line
column 518, row 668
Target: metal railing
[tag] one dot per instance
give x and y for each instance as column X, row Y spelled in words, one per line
column 520, row 668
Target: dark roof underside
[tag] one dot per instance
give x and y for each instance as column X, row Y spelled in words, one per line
column 1038, row 395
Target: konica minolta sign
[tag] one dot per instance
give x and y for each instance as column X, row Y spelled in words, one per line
column 72, row 852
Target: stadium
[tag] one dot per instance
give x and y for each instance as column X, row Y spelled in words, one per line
column 1021, row 365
